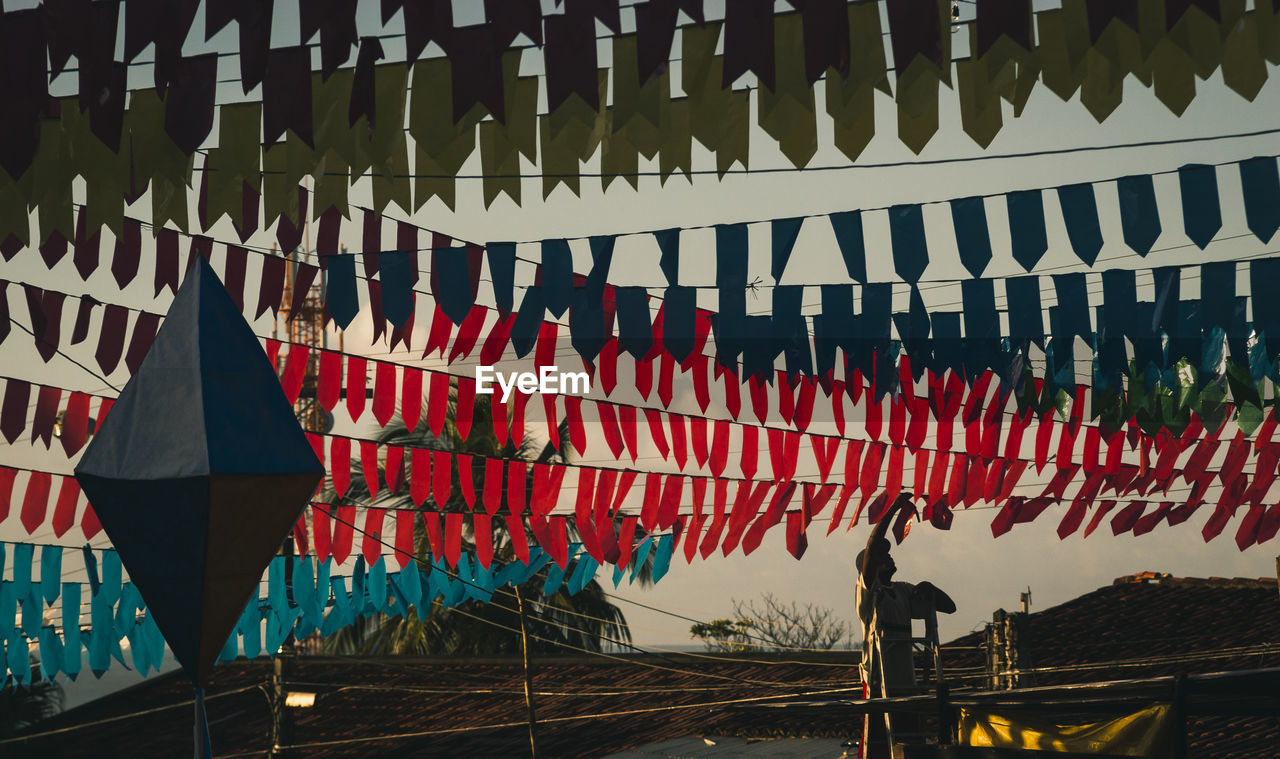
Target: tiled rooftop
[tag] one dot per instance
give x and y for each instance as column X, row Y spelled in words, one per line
column 1140, row 626
column 446, row 699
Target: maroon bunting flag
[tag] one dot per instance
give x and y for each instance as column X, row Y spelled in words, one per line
column 384, row 392
column 64, row 510
column 286, row 95
column 304, row 277
column 7, row 476
column 748, row 41
column 797, row 541
column 13, row 412
column 271, row 286
column 166, row 273
column 75, row 423
column 47, row 402
column 45, row 310
column 233, row 273
column 35, row 504
column 144, row 333
column 570, row 56
column 89, row 524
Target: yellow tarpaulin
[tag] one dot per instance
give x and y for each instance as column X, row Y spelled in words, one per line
column 1143, row 733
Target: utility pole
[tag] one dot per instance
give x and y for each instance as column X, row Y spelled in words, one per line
column 528, row 676
column 281, row 721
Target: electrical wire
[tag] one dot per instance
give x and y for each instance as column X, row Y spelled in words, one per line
column 503, row 591
column 130, row 715
column 572, row 718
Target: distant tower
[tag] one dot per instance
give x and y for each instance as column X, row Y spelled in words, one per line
column 307, row 328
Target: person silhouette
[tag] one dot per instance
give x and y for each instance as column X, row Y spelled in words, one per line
column 886, row 608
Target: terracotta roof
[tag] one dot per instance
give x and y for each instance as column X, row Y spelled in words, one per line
column 369, row 698
column 1142, row 625
column 1152, row 624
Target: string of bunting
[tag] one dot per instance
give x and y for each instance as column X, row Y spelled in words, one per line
column 977, row 474
column 339, row 124
column 315, row 601
column 932, row 343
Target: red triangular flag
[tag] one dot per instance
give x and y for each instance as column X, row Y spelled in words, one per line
column 340, row 465
column 441, row 478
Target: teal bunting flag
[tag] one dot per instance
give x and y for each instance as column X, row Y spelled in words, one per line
column 783, row 233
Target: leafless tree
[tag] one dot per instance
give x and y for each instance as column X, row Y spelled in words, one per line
column 773, row 624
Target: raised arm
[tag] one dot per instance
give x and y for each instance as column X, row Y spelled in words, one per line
column 875, row 554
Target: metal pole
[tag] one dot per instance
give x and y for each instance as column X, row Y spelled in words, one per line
column 528, row 676
column 281, row 719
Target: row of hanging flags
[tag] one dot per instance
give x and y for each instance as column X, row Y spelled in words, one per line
column 1028, row 212
column 912, row 448
column 68, row 625
column 339, row 124
column 866, row 320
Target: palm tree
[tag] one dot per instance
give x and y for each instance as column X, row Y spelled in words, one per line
column 583, row 621
column 20, row 708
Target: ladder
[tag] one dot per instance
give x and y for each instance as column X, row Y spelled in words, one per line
column 911, row 732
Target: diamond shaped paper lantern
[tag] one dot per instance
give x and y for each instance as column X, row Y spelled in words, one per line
column 200, row 471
